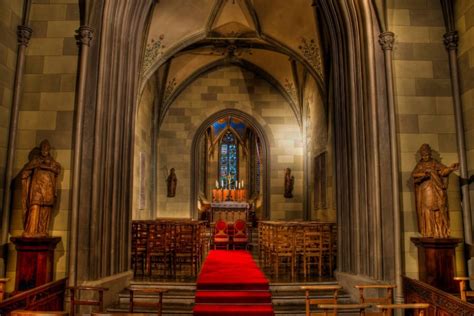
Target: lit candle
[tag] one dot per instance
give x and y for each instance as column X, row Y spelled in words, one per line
column 217, row 184
column 242, row 184
column 222, row 183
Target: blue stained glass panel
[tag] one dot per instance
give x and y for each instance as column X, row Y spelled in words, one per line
column 228, row 162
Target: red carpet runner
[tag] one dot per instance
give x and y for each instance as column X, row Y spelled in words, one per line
column 230, row 283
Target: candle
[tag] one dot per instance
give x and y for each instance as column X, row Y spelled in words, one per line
column 222, row 183
column 217, row 184
column 242, row 184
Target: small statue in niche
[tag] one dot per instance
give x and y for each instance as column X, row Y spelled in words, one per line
column 171, row 182
column 289, row 183
column 38, row 180
column 431, row 183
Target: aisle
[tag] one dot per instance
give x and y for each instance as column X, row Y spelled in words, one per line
column 231, row 283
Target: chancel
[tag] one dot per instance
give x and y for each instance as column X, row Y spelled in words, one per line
column 236, row 157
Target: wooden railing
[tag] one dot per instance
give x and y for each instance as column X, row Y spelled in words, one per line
column 47, row 297
column 441, row 303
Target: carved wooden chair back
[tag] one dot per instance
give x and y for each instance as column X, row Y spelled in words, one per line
column 386, row 298
column 154, row 298
column 331, row 293
column 77, row 299
column 284, row 247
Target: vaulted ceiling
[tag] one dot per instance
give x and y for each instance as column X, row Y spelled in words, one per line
column 277, row 39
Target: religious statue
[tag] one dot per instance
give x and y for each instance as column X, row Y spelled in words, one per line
column 430, row 178
column 38, row 180
column 171, row 181
column 289, row 183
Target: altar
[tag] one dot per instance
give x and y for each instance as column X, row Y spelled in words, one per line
column 229, row 211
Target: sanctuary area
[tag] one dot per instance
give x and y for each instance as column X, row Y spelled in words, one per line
column 236, row 157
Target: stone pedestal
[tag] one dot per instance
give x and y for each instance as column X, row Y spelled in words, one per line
column 437, row 262
column 35, row 261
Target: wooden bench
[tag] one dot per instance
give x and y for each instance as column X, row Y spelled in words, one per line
column 463, row 292
column 420, row 309
column 318, row 301
column 336, row 308
column 386, row 299
column 157, row 305
column 78, row 301
column 37, row 313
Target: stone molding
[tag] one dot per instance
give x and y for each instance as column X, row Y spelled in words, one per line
column 24, row 34
column 84, row 35
column 386, row 40
column 451, row 40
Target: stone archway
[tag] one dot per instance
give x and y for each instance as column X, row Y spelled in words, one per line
column 247, row 118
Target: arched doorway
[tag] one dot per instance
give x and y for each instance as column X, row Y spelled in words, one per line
column 196, row 162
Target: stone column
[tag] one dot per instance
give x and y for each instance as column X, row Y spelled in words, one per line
column 386, row 40
column 451, row 42
column 24, row 35
column 84, row 37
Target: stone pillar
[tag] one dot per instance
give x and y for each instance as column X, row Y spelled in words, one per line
column 24, row 35
column 386, row 40
column 84, row 37
column 451, row 42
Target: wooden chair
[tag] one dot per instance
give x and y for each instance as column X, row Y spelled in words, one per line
column 386, row 299
column 158, row 249
column 240, row 237
column 420, row 309
column 158, row 305
column 336, row 308
column 463, row 292
column 221, row 235
column 312, row 252
column 139, row 246
column 38, row 313
column 328, row 247
column 75, row 294
column 334, row 289
column 185, row 252
column 3, row 282
column 284, row 248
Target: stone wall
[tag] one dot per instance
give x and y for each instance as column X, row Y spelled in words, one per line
column 464, row 11
column 317, row 142
column 230, row 87
column 424, row 108
column 142, row 187
column 10, row 18
column 46, row 110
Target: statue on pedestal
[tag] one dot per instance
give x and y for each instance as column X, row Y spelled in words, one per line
column 289, row 183
column 430, row 178
column 38, row 179
column 171, row 181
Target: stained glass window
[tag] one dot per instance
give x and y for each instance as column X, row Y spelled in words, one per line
column 228, row 161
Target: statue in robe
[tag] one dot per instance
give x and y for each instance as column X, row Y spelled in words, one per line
column 38, row 180
column 171, row 182
column 289, row 183
column 431, row 183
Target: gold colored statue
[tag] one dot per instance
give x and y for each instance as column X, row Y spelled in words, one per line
column 38, row 179
column 430, row 178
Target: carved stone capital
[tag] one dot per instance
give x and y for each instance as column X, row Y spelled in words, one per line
column 451, row 40
column 84, row 35
column 386, row 40
column 24, row 34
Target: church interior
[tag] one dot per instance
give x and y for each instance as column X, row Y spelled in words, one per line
column 236, row 157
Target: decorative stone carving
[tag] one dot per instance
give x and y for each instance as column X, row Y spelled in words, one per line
column 171, row 182
column 289, row 183
column 310, row 50
column 38, row 179
column 24, row 34
column 451, row 40
column 386, row 40
column 84, row 35
column 170, row 86
column 290, row 89
column 153, row 50
column 430, row 178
